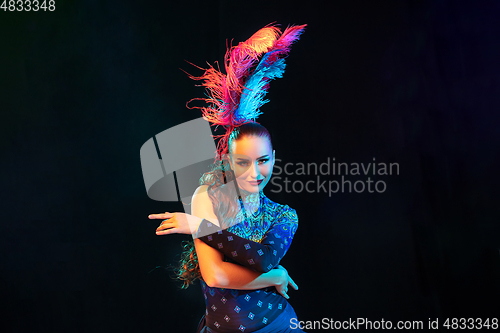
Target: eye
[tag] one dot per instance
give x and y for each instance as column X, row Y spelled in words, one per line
column 244, row 163
column 263, row 161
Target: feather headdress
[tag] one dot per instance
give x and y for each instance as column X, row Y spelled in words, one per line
column 235, row 98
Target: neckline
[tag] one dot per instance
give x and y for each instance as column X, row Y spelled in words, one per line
column 258, row 212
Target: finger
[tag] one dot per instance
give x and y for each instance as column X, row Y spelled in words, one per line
column 166, row 225
column 165, row 215
column 292, row 283
column 171, row 220
column 166, row 232
column 285, row 294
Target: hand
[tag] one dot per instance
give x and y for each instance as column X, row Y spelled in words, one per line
column 283, row 282
column 177, row 223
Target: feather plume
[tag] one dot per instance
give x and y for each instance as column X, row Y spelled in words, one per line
column 271, row 66
column 235, row 98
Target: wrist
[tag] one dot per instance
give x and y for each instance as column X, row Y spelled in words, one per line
column 194, row 224
column 279, row 276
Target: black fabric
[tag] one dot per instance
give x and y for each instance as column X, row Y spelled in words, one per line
column 261, row 257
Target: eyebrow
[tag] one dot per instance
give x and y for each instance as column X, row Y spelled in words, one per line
column 246, row 159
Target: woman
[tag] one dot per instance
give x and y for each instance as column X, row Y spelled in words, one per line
column 240, row 235
column 240, row 293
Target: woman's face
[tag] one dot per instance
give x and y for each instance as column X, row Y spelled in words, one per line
column 252, row 161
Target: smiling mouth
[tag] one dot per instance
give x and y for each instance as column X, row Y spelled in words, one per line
column 256, row 182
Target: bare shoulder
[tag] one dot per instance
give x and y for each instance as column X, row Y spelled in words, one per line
column 200, row 196
column 201, row 205
column 201, row 189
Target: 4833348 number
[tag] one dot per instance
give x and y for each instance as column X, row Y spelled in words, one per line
column 471, row 323
column 28, row 5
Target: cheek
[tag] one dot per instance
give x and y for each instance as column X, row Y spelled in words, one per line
column 267, row 170
column 241, row 171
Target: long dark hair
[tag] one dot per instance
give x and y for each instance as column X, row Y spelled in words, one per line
column 189, row 270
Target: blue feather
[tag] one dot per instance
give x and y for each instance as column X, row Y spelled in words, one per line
column 255, row 88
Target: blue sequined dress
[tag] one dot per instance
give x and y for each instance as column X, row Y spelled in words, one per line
column 258, row 242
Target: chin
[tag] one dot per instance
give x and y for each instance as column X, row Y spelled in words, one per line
column 250, row 188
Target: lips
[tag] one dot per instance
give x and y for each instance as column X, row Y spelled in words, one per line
column 255, row 183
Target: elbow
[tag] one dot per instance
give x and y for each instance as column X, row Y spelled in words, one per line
column 215, row 279
column 215, row 282
column 210, row 281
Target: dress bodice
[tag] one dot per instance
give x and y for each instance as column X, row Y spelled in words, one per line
column 268, row 232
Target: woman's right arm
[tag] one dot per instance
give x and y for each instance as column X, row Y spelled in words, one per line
column 258, row 256
column 218, row 273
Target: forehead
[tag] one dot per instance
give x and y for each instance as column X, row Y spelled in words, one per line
column 251, row 146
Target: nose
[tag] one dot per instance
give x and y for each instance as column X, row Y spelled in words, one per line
column 254, row 171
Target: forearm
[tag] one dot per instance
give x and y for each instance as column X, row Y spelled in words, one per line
column 233, row 276
column 221, row 274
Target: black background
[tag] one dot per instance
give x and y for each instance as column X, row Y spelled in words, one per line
column 408, row 82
